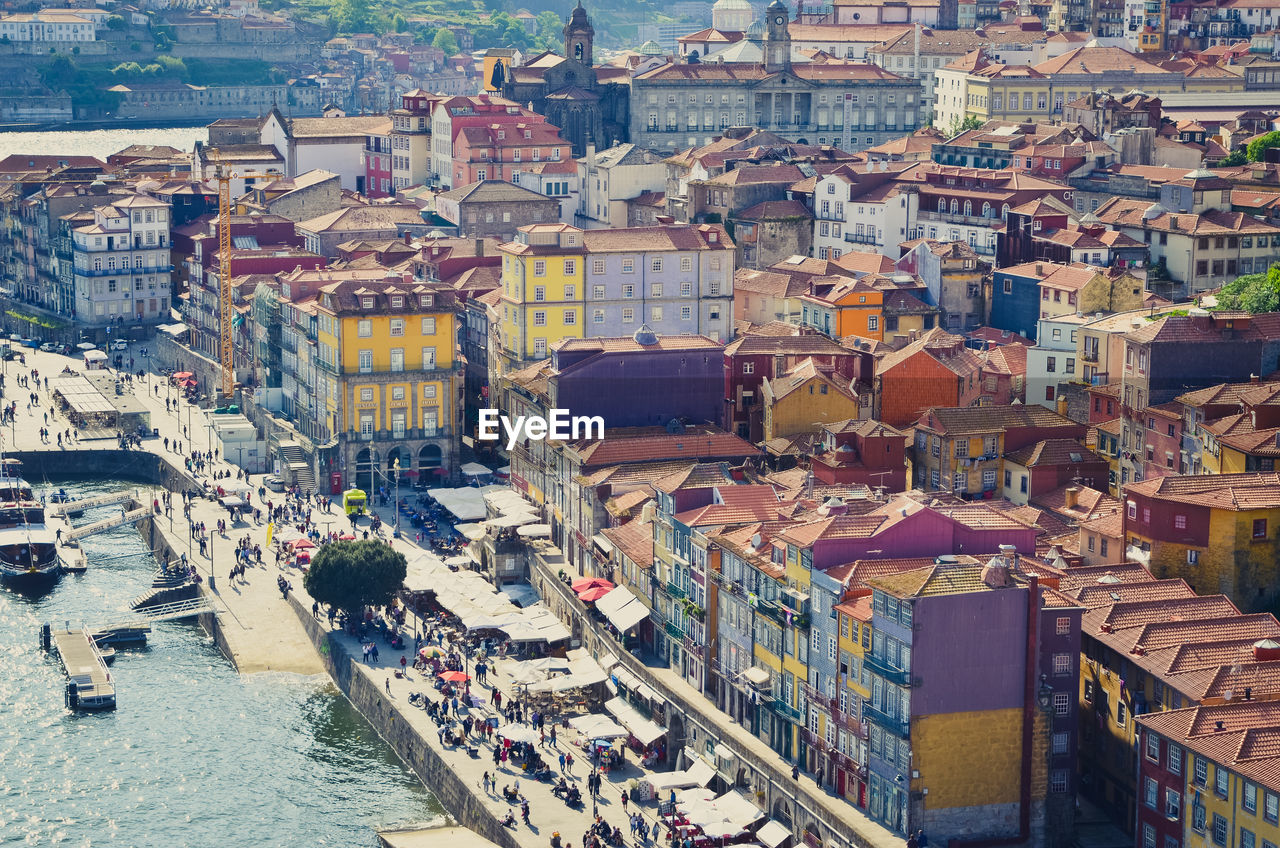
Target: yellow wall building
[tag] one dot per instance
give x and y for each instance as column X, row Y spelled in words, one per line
column 802, row 400
column 542, row 292
column 386, row 349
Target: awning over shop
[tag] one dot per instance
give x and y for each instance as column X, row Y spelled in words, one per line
column 758, row 676
column 602, row 542
column 623, row 609
column 596, row 726
column 698, row 774
column 729, row 814
column 772, row 834
column 644, row 730
column 465, row 503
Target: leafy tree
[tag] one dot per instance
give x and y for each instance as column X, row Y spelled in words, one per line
column 353, row 575
column 958, row 125
column 446, row 41
column 353, row 16
column 1235, row 157
column 550, row 29
column 117, row 23
column 1260, row 145
column 1253, row 293
column 398, row 23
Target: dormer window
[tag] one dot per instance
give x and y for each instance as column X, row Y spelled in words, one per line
column 397, row 302
column 528, row 133
column 366, row 303
column 502, row 134
column 426, row 300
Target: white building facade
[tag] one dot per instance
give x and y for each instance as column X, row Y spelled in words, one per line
column 121, row 264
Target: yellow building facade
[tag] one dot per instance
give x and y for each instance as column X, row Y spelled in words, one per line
column 386, row 351
column 542, row 293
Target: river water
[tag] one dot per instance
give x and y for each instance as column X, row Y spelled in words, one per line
column 195, row 754
column 100, row 143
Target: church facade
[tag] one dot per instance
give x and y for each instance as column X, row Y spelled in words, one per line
column 590, row 105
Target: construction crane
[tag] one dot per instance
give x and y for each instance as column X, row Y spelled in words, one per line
column 224, row 175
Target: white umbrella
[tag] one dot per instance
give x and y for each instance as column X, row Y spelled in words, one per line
column 86, row 346
column 519, row 733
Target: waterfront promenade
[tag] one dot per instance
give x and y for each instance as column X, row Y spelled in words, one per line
column 260, row 631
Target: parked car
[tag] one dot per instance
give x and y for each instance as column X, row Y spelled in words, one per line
column 119, row 344
column 48, row 347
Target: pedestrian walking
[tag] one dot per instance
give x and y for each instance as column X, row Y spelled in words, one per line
column 624, row 801
column 388, row 685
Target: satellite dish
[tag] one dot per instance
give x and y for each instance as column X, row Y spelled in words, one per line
column 674, row 427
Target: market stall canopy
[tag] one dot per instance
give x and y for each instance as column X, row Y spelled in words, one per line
column 94, row 356
column 593, row 593
column 234, row 501
column 584, row 583
column 534, row 531
column 519, row 733
column 465, row 503
column 521, row 594
column 512, row 520
column 473, row 532
column 644, row 730
column 698, row 774
column 86, row 346
column 596, row 726
column 729, row 814
column 772, row 834
column 474, row 469
column 623, row 609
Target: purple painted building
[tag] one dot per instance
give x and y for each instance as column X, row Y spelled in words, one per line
column 972, row 671
column 645, row 380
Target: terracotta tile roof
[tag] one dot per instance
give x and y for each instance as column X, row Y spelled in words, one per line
column 695, row 475
column 1088, row 502
column 987, row 419
column 769, row 283
column 1242, row 736
column 1123, row 212
column 1123, row 615
column 1183, row 659
column 1218, row 491
column 695, row 443
column 1163, row 634
column 1053, row 452
column 833, row 527
column 1097, row 60
column 947, row 349
column 1101, row 595
column 773, row 210
column 807, row 345
column 1109, row 524
column 1085, row 576
column 635, row 540
column 1230, row 681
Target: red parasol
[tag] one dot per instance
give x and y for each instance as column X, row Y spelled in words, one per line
column 594, row 593
column 584, row 583
column 453, row 676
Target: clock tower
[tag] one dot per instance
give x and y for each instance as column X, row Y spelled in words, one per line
column 777, row 39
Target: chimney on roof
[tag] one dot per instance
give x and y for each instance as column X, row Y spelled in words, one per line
column 1072, row 496
column 1039, row 270
column 1218, row 727
column 479, row 248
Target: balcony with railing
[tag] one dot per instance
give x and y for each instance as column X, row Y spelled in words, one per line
column 893, row 725
column 959, row 218
column 880, row 667
column 861, row 238
column 849, row 722
column 785, row 710
column 813, row 740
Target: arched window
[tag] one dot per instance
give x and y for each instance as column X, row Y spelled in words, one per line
column 968, row 208
column 1004, row 211
column 986, row 210
column 942, row 204
column 955, row 206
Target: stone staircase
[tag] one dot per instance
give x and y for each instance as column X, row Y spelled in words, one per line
column 298, row 470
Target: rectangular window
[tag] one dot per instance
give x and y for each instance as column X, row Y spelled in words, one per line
column 597, row 317
column 1221, row 780
column 428, row 359
column 570, row 267
column 1200, row 773
column 1271, row 807
column 539, row 319
column 364, row 328
column 1063, row 626
column 1219, row 830
column 570, row 317
column 1249, row 798
column 1150, row 792
column 540, row 268
column 365, row 361
column 1153, row 747
column 628, row 266
column 1175, row 759
column 1260, row 528
column 1061, row 704
column 397, row 326
column 628, row 315
column 628, row 291
column 1247, row 839
column 539, row 293
column 1172, row 803
column 597, row 266
column 1148, row 836
column 428, row 325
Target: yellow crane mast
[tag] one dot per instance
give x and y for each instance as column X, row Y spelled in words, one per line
column 226, row 349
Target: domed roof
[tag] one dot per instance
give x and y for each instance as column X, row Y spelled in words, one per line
column 731, row 6
column 755, row 32
column 777, row 6
column 651, row 48
column 645, row 336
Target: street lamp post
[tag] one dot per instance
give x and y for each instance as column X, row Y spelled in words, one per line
column 396, row 504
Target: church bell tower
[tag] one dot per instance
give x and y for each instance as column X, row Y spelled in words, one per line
column 777, row 39
column 578, row 36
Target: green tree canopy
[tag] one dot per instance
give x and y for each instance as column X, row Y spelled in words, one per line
column 353, row 575
column 1254, row 293
column 117, row 22
column 352, row 16
column 1259, row 146
column 446, row 42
